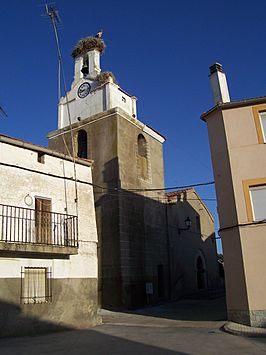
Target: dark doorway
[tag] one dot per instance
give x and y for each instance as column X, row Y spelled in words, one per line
column 201, row 281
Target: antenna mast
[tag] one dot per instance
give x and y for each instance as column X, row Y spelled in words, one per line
column 3, row 112
column 55, row 19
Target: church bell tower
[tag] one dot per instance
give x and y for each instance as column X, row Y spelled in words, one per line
column 92, row 91
column 127, row 155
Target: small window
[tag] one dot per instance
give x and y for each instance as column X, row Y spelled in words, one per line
column 142, row 146
column 41, row 157
column 258, row 201
column 263, row 124
column 82, row 144
column 124, row 99
column 36, row 285
column 142, row 157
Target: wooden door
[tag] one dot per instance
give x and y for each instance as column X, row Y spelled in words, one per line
column 43, row 220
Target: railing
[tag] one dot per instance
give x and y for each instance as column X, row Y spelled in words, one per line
column 24, row 225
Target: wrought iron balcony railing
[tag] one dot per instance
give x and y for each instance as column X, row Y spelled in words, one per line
column 29, row 226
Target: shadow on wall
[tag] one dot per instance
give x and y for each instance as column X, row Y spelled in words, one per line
column 14, row 323
column 144, row 258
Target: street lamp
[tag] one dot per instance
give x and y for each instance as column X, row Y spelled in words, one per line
column 187, row 224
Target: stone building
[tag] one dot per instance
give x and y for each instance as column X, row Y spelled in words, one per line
column 48, row 242
column 237, row 134
column 102, row 124
column 193, row 259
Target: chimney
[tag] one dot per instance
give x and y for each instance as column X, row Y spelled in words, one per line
column 218, row 84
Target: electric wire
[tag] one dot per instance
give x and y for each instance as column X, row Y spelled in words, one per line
column 181, row 187
column 250, row 224
column 155, row 197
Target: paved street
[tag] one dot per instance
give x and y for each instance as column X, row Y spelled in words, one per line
column 186, row 327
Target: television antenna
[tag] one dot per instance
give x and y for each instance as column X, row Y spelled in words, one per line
column 52, row 12
column 3, row 113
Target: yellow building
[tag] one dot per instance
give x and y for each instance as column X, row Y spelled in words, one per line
column 237, row 135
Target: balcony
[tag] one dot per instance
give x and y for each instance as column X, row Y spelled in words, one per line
column 24, row 230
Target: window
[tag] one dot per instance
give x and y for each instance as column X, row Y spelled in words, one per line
column 142, row 146
column 255, row 198
column 43, row 220
column 41, row 157
column 82, row 144
column 259, row 114
column 142, row 157
column 258, row 200
column 36, row 285
column 263, row 125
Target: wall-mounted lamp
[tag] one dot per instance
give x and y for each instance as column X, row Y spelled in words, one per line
column 187, row 223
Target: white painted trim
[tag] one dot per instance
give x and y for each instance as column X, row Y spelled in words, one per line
column 153, row 134
column 138, row 124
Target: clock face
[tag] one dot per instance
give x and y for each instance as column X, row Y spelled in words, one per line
column 84, row 90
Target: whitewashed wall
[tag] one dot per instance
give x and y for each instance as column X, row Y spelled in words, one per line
column 100, row 99
column 17, row 183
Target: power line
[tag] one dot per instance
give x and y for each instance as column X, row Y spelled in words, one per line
column 126, row 193
column 254, row 224
column 182, row 187
column 176, row 187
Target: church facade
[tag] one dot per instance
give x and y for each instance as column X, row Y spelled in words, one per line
column 98, row 120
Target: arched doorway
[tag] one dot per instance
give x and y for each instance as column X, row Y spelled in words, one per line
column 201, row 279
column 201, row 276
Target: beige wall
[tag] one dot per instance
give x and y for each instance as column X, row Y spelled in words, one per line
column 248, row 161
column 237, row 157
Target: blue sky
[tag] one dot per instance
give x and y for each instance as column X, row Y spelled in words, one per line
column 159, row 51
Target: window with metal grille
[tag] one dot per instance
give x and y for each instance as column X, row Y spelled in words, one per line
column 36, row 286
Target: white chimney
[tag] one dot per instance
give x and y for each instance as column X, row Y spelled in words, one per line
column 218, row 84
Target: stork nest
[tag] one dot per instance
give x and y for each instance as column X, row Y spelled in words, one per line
column 87, row 44
column 104, row 76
